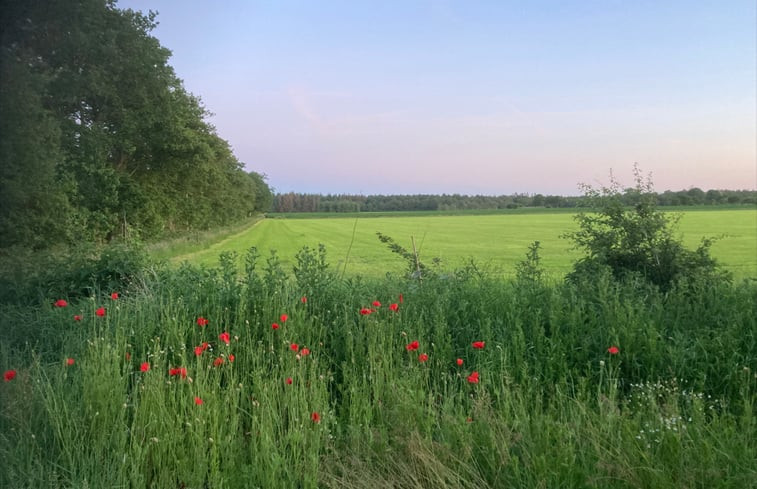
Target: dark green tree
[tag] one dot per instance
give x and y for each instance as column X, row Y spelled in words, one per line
column 34, row 206
column 99, row 137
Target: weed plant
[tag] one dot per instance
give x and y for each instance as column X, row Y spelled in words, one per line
column 269, row 377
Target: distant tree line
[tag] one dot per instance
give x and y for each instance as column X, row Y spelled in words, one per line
column 298, row 202
column 98, row 136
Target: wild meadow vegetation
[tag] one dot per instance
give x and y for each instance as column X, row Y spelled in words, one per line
column 624, row 375
column 340, row 360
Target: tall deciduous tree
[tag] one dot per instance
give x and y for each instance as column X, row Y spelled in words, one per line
column 99, row 137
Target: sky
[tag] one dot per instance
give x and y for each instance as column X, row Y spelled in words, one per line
column 474, row 97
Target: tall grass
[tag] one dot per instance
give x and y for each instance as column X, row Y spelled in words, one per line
column 552, row 408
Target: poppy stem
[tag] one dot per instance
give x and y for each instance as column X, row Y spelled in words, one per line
column 417, row 261
column 349, row 248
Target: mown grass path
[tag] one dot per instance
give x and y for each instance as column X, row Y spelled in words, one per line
column 497, row 240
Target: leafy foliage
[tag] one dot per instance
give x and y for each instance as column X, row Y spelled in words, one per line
column 415, row 267
column 30, row 277
column 100, row 138
column 530, row 270
column 311, row 270
column 637, row 240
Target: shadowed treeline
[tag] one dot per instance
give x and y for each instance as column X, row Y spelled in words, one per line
column 100, row 139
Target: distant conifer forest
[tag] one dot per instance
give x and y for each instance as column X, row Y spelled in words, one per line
column 302, row 202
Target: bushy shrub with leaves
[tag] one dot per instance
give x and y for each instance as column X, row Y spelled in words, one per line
column 30, row 276
column 637, row 240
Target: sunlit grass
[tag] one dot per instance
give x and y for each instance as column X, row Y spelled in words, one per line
column 498, row 240
column 186, row 243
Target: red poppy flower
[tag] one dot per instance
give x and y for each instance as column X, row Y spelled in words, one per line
column 376, row 304
column 231, row 358
column 144, row 367
column 288, row 381
column 114, row 295
column 9, row 375
column 201, row 321
column 61, row 303
column 198, row 351
column 294, row 347
column 70, row 361
column 77, row 317
column 412, row 346
column 224, row 337
column 365, row 311
column 479, row 345
column 198, row 401
column 275, row 326
column 305, row 352
column 315, row 417
column 100, row 312
column 394, row 307
column 218, row 362
column 473, row 378
column 304, row 300
column 401, row 299
column 181, row 371
column 422, row 357
column 459, row 362
column 613, row 350
column 284, row 318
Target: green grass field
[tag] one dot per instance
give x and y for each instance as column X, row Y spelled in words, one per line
column 499, row 240
column 158, row 376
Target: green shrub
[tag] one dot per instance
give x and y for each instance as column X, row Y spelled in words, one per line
column 29, row 277
column 637, row 240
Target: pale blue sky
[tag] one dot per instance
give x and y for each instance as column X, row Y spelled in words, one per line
column 491, row 97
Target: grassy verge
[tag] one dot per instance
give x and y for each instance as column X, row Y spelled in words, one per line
column 182, row 380
column 199, row 240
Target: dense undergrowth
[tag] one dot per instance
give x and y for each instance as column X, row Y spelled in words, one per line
column 338, row 396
